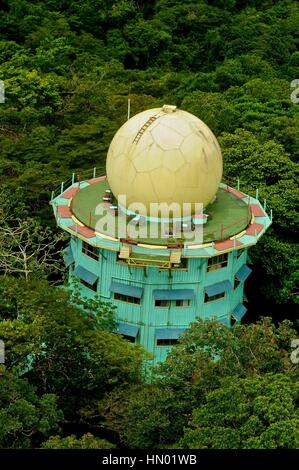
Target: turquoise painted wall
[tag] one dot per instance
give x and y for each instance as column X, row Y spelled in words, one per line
column 148, row 317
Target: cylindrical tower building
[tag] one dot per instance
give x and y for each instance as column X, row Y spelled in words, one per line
column 160, row 236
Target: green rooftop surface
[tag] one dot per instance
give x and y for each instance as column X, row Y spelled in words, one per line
column 228, row 215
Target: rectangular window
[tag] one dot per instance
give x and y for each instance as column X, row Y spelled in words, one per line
column 214, row 297
column 236, row 283
column 91, row 251
column 131, row 339
column 217, row 262
column 166, row 342
column 162, row 303
column 93, row 286
column 126, row 298
column 183, row 303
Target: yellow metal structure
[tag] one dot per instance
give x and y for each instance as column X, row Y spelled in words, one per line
column 124, row 252
column 175, row 257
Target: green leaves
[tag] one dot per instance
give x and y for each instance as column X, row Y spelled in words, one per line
column 247, row 413
column 257, row 164
column 157, row 414
column 87, row 441
column 30, row 98
column 54, row 55
column 213, row 109
column 267, row 167
column 68, row 68
column 61, row 347
column 235, row 387
column 25, row 417
column 210, row 350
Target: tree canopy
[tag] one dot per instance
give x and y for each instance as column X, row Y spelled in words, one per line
column 67, row 69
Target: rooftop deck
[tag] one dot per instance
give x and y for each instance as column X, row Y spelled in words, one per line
column 235, row 221
column 227, row 216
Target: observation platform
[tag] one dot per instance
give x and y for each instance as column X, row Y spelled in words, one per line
column 234, row 221
column 228, row 215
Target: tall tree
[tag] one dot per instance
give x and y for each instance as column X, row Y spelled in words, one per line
column 25, row 418
column 252, row 413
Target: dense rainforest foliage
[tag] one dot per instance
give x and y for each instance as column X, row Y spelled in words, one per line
column 68, row 68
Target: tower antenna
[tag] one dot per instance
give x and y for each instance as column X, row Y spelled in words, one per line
column 129, row 103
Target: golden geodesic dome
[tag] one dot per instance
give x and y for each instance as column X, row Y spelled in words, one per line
column 164, row 155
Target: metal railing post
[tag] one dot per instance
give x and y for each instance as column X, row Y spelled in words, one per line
column 73, row 179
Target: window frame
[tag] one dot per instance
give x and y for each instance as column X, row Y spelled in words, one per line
column 124, row 298
column 166, row 342
column 89, row 250
column 237, row 283
column 212, row 298
column 93, row 287
column 130, row 339
column 217, row 262
column 167, row 305
column 189, row 303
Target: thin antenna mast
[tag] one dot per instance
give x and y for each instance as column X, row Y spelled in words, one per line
column 129, row 103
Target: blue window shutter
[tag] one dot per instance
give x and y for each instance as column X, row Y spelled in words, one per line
column 68, row 256
column 127, row 329
column 239, row 312
column 219, row 288
column 169, row 333
column 126, row 289
column 243, row 273
column 174, row 294
column 85, row 275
